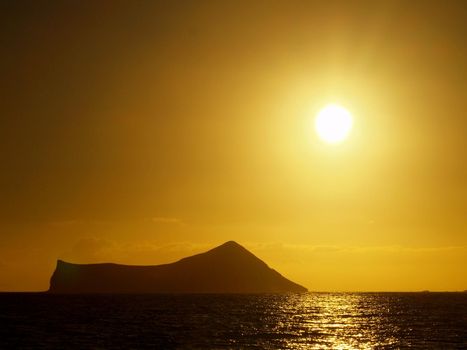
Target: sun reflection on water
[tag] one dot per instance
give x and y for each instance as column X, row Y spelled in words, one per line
column 333, row 321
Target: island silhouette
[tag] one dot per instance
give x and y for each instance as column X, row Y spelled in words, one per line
column 228, row 268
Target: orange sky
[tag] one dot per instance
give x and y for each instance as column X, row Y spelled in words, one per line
column 140, row 133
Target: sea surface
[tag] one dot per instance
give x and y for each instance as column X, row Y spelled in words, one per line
column 262, row 321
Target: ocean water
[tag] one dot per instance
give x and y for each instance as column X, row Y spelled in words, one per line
column 275, row 321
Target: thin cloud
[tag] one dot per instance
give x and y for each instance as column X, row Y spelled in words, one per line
column 62, row 223
column 166, row 220
column 351, row 249
column 93, row 249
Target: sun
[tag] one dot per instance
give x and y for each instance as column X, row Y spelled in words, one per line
column 333, row 123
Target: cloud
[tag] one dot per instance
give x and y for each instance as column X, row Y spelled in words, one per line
column 89, row 249
column 351, row 249
column 166, row 220
column 305, row 254
column 93, row 249
column 156, row 219
column 63, row 223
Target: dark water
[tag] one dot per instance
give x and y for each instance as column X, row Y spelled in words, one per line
column 294, row 321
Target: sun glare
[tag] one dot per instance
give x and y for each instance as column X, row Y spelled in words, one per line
column 333, row 123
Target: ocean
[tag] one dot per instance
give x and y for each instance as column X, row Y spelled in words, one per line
column 262, row 321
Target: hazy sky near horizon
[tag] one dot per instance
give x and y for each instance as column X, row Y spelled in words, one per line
column 143, row 131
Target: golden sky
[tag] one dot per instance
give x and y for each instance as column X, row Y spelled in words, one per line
column 142, row 132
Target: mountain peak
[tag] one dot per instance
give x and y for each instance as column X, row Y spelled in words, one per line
column 231, row 245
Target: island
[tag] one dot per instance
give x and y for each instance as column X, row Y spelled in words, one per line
column 228, row 268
